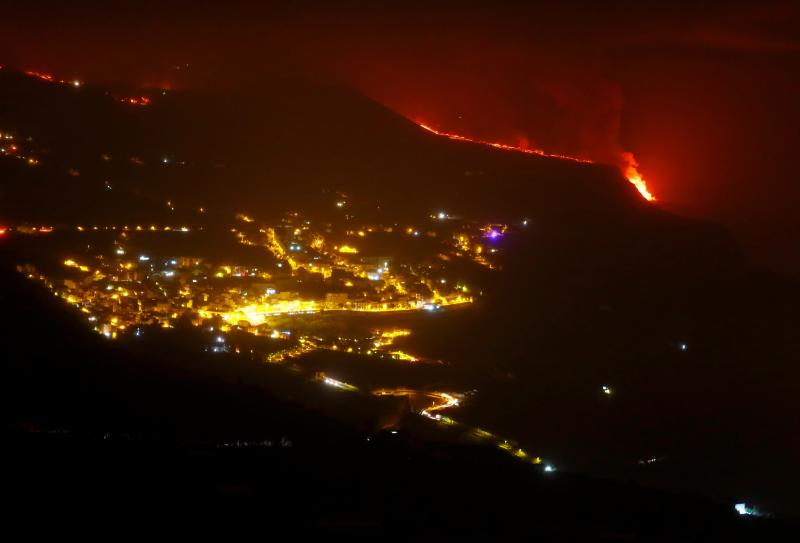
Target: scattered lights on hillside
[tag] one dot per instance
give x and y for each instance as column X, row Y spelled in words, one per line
column 136, row 100
column 49, row 78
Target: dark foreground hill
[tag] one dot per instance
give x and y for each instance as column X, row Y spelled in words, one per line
column 97, row 437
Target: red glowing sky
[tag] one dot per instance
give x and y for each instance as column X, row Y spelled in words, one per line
column 705, row 97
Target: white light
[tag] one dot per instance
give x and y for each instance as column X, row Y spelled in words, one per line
column 339, row 204
column 744, row 509
column 442, row 215
column 220, row 339
column 144, row 258
column 120, row 251
column 549, row 469
column 683, row 346
column 333, row 382
column 76, row 83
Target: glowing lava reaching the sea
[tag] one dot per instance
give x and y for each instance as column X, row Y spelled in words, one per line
column 630, row 170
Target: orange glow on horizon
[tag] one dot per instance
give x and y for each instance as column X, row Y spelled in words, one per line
column 630, row 170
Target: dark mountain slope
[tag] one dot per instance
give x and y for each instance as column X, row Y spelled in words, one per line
column 602, row 287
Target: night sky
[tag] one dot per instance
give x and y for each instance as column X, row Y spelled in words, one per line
column 705, row 96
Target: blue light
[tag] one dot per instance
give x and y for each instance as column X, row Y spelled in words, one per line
column 493, row 234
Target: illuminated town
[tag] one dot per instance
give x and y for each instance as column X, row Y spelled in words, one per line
column 302, row 268
column 309, row 270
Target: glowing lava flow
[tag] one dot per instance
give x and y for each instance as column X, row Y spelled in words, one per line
column 632, row 174
column 630, row 171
